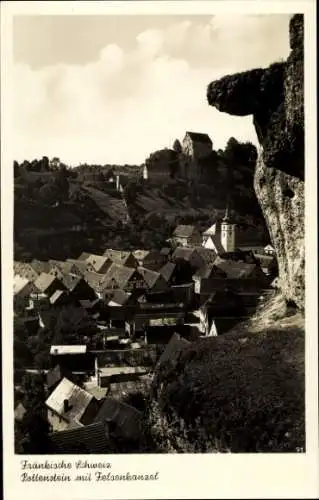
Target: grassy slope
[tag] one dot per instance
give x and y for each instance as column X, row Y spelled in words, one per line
column 241, row 392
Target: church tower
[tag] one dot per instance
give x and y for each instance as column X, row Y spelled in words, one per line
column 228, row 232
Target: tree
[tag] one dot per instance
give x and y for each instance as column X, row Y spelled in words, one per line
column 177, row 146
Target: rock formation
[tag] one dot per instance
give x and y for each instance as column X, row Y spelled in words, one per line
column 274, row 96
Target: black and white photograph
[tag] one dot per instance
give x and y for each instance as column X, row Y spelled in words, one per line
column 159, row 252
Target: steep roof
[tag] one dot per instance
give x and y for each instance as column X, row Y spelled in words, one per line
column 117, row 256
column 96, row 281
column 184, row 253
column 120, row 274
column 126, row 418
column 208, row 255
column 19, row 284
column 199, row 137
column 70, row 281
column 184, row 231
column 83, row 256
column 167, row 270
column 173, row 349
column 211, row 230
column 97, row 261
column 149, row 276
column 25, row 270
column 55, row 375
column 85, row 440
column 44, row 281
column 235, row 270
column 78, row 400
column 64, row 266
column 40, row 266
column 140, row 254
column 119, row 297
column 217, row 243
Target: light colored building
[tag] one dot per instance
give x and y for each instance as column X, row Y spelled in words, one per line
column 227, row 233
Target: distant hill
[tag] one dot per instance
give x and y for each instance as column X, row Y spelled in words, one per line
column 60, row 212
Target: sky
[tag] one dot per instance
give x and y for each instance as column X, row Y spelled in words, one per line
column 113, row 89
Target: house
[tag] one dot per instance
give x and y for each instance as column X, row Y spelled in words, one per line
column 268, row 264
column 151, row 259
column 195, row 147
column 60, row 268
column 238, row 270
column 213, row 242
column 98, row 282
column 22, row 289
column 48, row 284
column 80, row 267
column 269, row 250
column 123, row 420
column 116, row 374
column 173, row 349
column 78, row 287
column 83, row 256
column 73, row 357
column 25, row 270
column 70, row 404
column 186, row 236
column 120, row 257
column 208, row 255
column 54, row 377
column 154, row 281
column 99, row 263
column 190, row 256
column 207, row 271
column 124, row 278
column 120, row 298
column 169, row 272
column 40, row 266
column 90, row 439
column 213, row 230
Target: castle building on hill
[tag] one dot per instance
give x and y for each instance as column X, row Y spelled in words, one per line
column 195, row 147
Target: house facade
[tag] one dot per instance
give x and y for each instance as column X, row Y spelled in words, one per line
column 186, row 236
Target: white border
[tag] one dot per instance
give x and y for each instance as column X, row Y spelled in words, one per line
column 181, row 476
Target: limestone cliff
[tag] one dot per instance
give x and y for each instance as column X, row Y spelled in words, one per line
column 274, row 96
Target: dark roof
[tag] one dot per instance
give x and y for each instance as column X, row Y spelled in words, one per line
column 120, row 297
column 208, row 255
column 56, row 375
column 150, row 277
column 126, row 418
column 166, row 250
column 120, row 274
column 184, row 253
column 88, row 439
column 70, row 281
column 167, row 270
column 235, row 269
column 184, row 231
column 173, row 349
column 199, row 137
column 40, row 266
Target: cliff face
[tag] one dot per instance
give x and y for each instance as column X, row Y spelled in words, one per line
column 274, row 96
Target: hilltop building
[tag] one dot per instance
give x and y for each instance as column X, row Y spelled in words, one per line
column 195, row 147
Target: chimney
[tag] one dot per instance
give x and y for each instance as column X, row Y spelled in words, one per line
column 66, row 405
